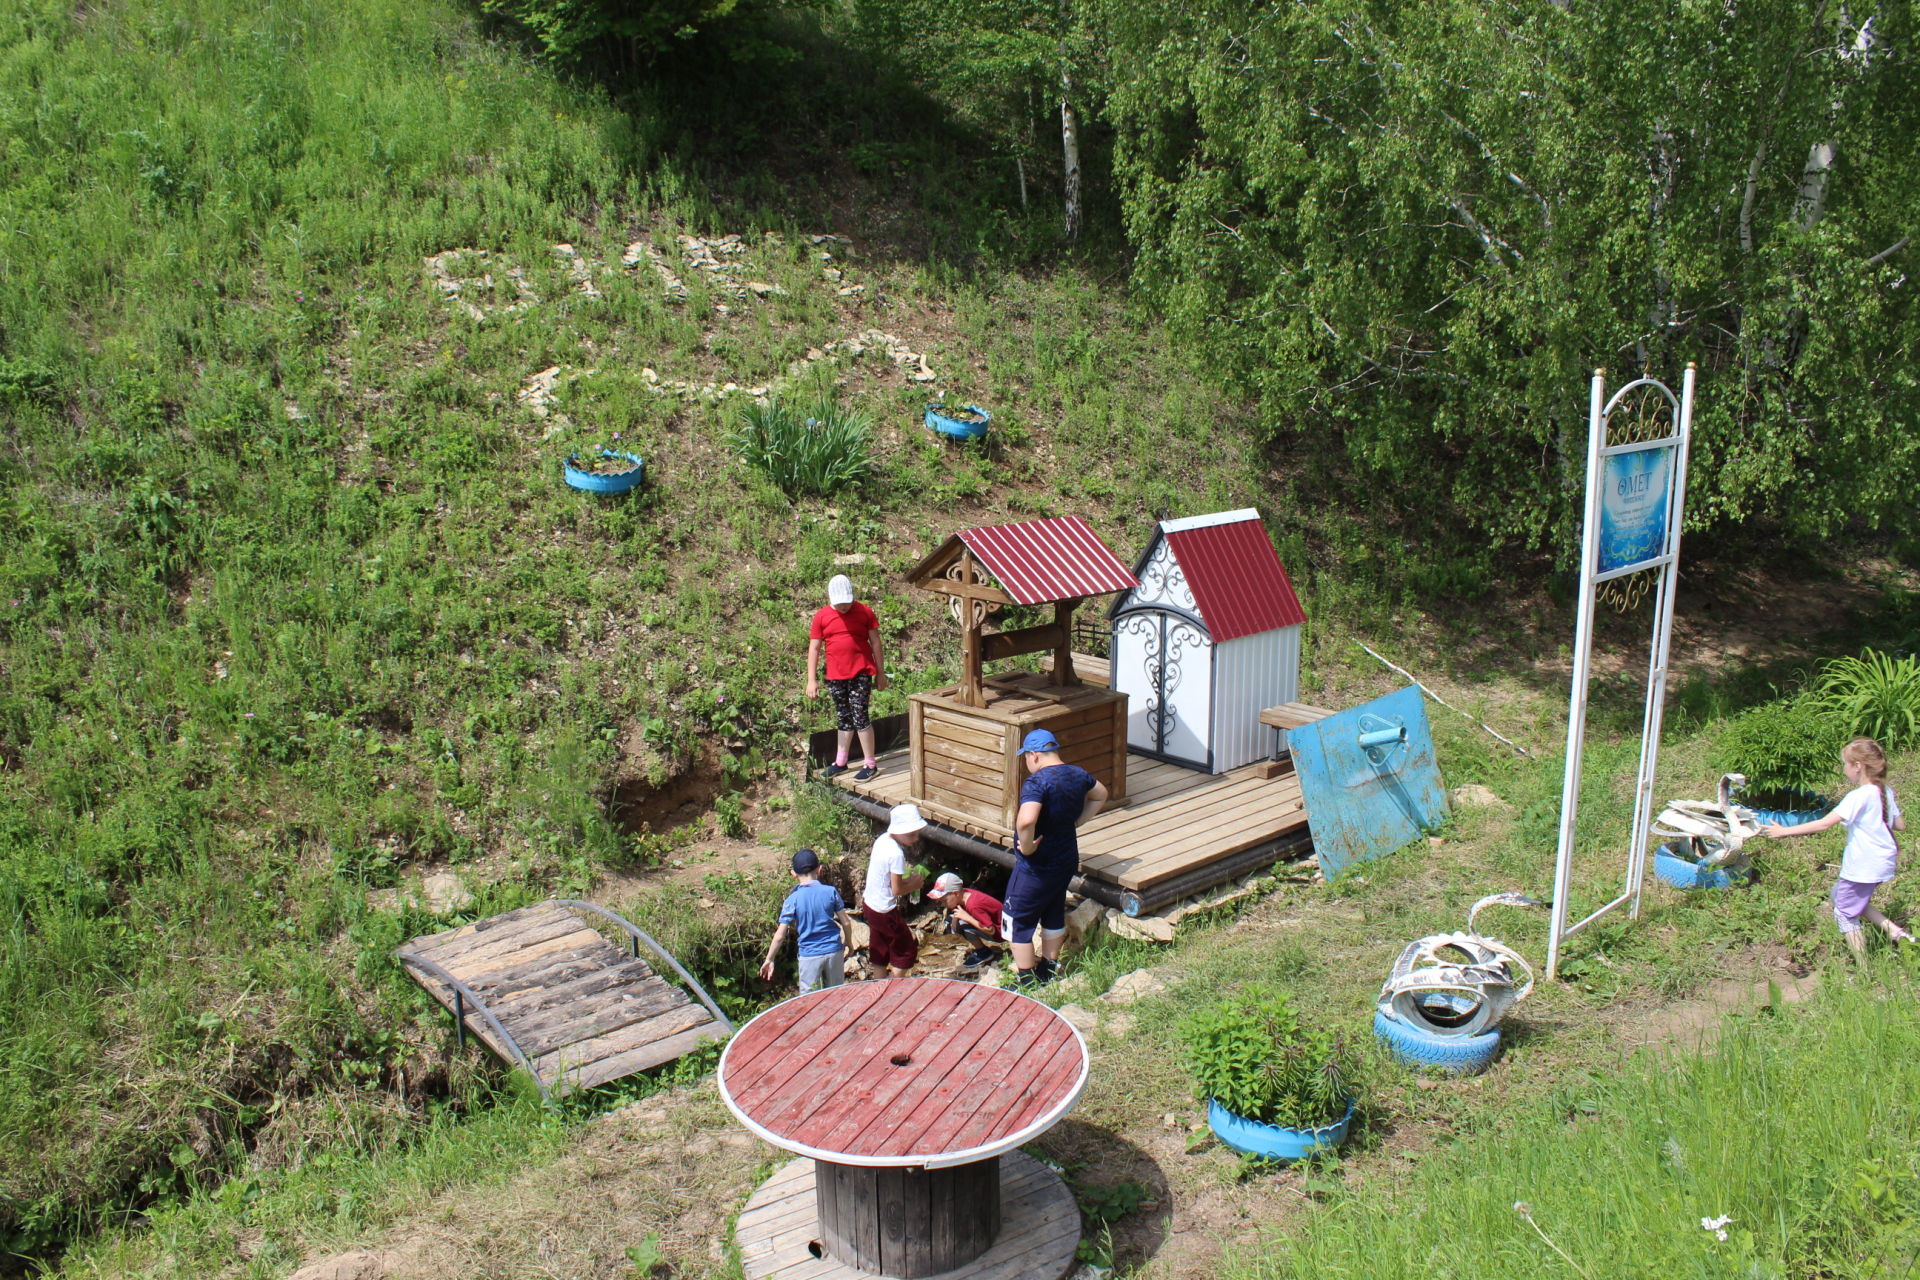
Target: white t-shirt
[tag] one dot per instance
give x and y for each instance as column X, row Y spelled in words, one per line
column 1870, row 848
column 888, row 859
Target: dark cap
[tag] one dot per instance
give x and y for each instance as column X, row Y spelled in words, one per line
column 806, row 860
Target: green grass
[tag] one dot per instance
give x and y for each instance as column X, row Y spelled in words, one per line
column 1798, row 1128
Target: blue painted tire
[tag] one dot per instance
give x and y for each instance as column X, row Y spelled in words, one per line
column 595, row 483
column 1810, row 806
column 1276, row 1142
column 1685, row 873
column 959, row 430
column 1456, row 1055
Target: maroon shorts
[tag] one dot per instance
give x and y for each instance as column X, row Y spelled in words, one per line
column 890, row 943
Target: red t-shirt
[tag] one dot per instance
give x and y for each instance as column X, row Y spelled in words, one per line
column 983, row 907
column 849, row 651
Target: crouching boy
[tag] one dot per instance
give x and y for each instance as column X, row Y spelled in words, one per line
column 972, row 914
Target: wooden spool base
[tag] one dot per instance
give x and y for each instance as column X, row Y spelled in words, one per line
column 780, row 1238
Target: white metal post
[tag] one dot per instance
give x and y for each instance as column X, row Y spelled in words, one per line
column 1577, row 700
column 1658, row 661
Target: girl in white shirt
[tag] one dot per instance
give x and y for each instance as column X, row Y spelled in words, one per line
column 1871, row 816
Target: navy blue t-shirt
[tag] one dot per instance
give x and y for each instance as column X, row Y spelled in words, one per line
column 1061, row 790
column 811, row 909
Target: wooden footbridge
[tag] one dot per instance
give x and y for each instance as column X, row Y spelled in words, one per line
column 548, row 992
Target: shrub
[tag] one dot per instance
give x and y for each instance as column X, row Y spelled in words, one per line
column 819, row 452
column 1251, row 1054
column 1792, row 744
column 1874, row 695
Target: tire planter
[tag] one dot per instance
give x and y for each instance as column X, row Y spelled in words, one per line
column 1805, row 807
column 1276, row 1142
column 1682, row 872
column 593, row 482
column 971, row 428
column 1456, row 1055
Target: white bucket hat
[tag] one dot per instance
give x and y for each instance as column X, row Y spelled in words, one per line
column 840, row 589
column 904, row 820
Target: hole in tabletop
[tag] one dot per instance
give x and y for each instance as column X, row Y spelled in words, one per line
column 901, row 1059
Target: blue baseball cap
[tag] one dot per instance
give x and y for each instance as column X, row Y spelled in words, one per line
column 806, row 860
column 1039, row 740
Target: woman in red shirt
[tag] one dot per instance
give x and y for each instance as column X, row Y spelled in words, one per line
column 850, row 634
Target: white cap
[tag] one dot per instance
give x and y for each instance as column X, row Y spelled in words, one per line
column 945, row 885
column 904, row 820
column 840, row 590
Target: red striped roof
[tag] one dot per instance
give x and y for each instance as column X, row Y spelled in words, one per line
column 1059, row 558
column 1234, row 573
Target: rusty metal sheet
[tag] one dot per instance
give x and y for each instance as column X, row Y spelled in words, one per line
column 1364, row 801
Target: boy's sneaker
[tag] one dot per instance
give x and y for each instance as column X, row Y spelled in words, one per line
column 1025, row 979
column 1047, row 969
column 868, row 772
column 833, row 771
column 978, row 958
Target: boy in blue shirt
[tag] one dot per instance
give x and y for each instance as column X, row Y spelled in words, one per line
column 819, row 921
column 1055, row 798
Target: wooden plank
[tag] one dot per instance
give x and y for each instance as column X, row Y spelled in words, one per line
column 986, row 1098
column 939, row 723
column 765, row 1058
column 1155, row 824
column 786, row 1090
column 940, row 782
column 1293, row 715
column 1180, row 844
column 953, row 749
column 905, row 1211
column 516, row 966
column 583, row 1053
column 482, row 946
column 530, row 999
column 508, row 922
column 648, row 1056
column 1144, row 871
column 509, row 953
column 986, row 774
column 1047, row 1086
column 610, row 1011
column 856, row 1099
column 957, row 811
column 949, row 1064
column 916, row 746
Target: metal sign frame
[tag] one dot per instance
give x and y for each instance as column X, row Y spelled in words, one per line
column 1665, row 560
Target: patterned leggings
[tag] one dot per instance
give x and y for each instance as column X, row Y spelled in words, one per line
column 851, row 700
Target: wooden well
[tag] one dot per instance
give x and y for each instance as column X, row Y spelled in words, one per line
column 966, row 760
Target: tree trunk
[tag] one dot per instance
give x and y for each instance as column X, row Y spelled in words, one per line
column 1812, row 203
column 1070, row 156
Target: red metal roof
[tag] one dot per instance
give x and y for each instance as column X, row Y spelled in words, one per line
column 1234, row 573
column 1054, row 559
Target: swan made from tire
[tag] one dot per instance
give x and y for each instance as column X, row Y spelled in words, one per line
column 1712, row 835
column 1457, row 985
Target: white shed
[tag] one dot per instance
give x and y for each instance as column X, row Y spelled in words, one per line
column 1209, row 638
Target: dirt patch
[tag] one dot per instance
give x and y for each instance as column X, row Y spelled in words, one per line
column 1697, row 1023
column 641, row 807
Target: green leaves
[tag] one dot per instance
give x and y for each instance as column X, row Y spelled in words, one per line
column 1253, row 1056
column 817, row 451
column 1876, row 696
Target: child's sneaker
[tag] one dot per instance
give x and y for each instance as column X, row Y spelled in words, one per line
column 833, row 771
column 868, row 772
column 978, row 959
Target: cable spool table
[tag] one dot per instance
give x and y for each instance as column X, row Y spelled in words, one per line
column 908, row 1097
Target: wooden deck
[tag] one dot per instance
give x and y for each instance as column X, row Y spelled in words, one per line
column 582, row 1010
column 1173, row 820
column 779, row 1229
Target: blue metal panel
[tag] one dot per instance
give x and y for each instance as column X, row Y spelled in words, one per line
column 1361, row 801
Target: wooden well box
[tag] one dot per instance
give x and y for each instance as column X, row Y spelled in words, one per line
column 966, row 761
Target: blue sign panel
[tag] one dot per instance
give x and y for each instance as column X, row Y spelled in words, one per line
column 1368, row 779
column 1636, row 489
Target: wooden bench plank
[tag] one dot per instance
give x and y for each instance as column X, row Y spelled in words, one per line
column 648, row 1056
column 1293, row 715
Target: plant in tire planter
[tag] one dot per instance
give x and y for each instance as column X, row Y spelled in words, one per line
column 604, row 470
column 1275, row 1088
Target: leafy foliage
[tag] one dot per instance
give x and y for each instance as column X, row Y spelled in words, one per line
column 817, row 452
column 1412, row 230
column 1875, row 695
column 1252, row 1055
column 1792, row 744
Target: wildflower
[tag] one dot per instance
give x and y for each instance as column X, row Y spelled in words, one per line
column 1716, row 1225
column 249, row 715
column 1522, row 1208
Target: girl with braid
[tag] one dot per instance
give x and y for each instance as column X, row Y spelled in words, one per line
column 1871, row 816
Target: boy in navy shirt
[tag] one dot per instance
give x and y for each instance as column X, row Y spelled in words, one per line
column 1056, row 798
column 820, row 924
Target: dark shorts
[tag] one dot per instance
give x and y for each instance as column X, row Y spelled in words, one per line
column 852, row 699
column 1035, row 898
column 890, row 943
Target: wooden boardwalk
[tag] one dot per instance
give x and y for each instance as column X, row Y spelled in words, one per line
column 778, row 1232
column 1173, row 821
column 565, row 1003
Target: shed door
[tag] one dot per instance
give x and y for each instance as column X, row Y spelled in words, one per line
column 1163, row 661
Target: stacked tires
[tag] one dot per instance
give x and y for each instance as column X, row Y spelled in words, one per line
column 1430, row 1049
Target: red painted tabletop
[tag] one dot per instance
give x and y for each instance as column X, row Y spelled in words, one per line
column 904, row 1071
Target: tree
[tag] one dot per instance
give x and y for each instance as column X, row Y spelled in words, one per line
column 1411, row 230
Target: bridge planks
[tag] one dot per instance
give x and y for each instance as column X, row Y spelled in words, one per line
column 582, row 1009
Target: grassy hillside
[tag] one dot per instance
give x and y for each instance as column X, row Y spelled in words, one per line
column 292, row 600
